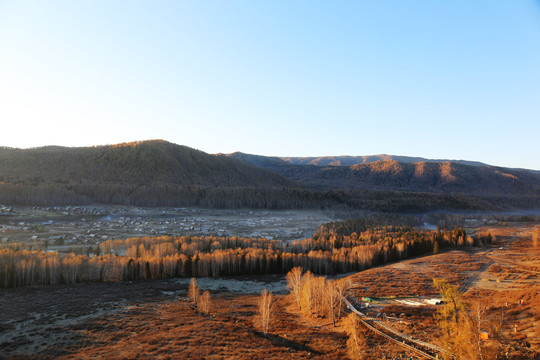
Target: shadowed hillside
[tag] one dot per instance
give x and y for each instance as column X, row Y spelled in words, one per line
column 149, row 173
column 159, row 173
column 132, row 163
column 392, row 175
column 267, row 162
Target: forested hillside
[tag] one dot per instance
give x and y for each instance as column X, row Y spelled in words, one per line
column 390, row 175
column 131, row 163
column 150, row 173
column 158, row 173
column 444, row 177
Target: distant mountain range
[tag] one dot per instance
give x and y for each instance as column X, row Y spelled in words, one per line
column 395, row 173
column 338, row 160
column 356, row 160
column 159, row 173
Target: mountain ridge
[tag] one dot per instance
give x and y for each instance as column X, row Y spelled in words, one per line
column 345, row 160
column 348, row 160
column 160, row 173
column 389, row 174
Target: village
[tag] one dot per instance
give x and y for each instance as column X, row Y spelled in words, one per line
column 78, row 228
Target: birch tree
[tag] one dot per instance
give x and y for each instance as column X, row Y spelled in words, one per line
column 294, row 283
column 332, row 299
column 356, row 344
column 265, row 310
column 204, row 303
column 193, row 291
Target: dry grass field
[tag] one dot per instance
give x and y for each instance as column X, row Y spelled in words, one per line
column 511, row 285
column 504, row 277
column 129, row 321
column 414, row 277
column 155, row 320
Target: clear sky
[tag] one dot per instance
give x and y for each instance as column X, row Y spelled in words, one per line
column 454, row 79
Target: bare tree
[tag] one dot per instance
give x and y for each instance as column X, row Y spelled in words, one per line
column 332, row 299
column 294, row 283
column 265, row 310
column 342, row 286
column 194, row 291
column 204, row 303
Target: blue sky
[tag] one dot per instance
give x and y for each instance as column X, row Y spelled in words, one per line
column 453, row 79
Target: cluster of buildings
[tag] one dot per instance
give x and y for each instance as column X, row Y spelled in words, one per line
column 62, row 228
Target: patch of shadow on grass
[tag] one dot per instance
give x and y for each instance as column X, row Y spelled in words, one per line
column 281, row 341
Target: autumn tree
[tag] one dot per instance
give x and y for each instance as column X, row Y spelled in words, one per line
column 318, row 288
column 477, row 339
column 449, row 313
column 536, row 237
column 477, row 334
column 307, row 300
column 356, row 344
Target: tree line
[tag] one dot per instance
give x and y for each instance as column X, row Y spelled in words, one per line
column 328, row 252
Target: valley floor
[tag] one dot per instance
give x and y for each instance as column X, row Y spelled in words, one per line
column 154, row 319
